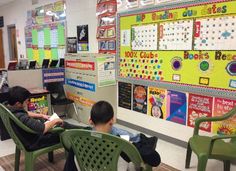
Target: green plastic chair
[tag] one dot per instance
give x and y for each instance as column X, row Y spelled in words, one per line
column 212, row 147
column 96, row 151
column 30, row 156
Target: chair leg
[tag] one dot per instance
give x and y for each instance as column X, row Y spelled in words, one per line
column 76, row 112
column 17, row 159
column 29, row 161
column 50, row 157
column 188, row 156
column 202, row 162
column 226, row 165
column 148, row 168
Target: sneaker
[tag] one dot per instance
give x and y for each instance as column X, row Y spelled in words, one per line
column 149, row 141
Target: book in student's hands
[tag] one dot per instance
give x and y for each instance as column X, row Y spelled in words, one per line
column 54, row 116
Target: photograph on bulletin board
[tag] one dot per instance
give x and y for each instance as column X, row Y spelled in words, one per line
column 221, row 107
column 199, row 106
column 82, row 38
column 140, row 98
column 124, row 95
column 157, row 102
column 176, row 107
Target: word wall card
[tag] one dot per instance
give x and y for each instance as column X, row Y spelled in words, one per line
column 176, row 35
column 144, row 37
column 215, row 33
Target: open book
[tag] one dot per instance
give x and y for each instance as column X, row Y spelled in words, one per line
column 54, row 116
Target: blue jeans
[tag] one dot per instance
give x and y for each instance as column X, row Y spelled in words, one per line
column 133, row 137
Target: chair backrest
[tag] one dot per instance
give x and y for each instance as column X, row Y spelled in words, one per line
column 8, row 118
column 99, row 151
column 56, row 90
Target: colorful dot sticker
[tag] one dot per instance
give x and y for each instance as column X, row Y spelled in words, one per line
column 204, row 66
column 231, row 68
column 176, row 63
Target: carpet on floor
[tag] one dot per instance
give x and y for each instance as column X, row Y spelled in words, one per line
column 42, row 164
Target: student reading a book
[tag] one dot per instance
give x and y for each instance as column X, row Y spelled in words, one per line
column 102, row 120
column 17, row 104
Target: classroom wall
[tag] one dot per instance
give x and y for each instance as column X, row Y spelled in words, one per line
column 77, row 14
column 80, row 12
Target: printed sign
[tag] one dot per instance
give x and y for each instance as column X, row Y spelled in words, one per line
column 81, row 84
column 53, row 75
column 221, row 107
column 156, row 102
column 200, row 106
column 80, row 65
column 176, row 107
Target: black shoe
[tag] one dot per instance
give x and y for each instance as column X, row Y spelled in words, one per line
column 149, row 141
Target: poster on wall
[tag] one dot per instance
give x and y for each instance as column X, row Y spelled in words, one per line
column 221, row 107
column 71, row 44
column 140, row 98
column 106, row 71
column 82, row 38
column 199, row 106
column 156, row 102
column 124, row 95
column 38, row 104
column 176, row 107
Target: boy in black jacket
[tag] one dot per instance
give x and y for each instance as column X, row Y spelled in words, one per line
column 17, row 104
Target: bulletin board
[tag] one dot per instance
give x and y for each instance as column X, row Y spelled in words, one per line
column 188, row 47
column 45, row 32
column 48, row 41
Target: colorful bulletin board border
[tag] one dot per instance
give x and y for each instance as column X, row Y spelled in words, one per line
column 201, row 65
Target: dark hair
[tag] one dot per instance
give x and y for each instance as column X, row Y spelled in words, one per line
column 18, row 94
column 159, row 109
column 101, row 112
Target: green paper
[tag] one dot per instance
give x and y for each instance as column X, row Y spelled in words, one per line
column 61, row 34
column 34, row 37
column 47, row 41
column 54, row 53
column 29, row 53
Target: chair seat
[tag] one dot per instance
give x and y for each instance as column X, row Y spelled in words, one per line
column 221, row 149
column 61, row 101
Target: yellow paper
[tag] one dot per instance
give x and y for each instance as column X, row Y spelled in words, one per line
column 48, row 54
column 36, row 54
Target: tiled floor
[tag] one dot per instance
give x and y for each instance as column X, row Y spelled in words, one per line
column 171, row 154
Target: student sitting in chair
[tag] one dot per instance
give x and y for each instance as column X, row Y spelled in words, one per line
column 17, row 104
column 102, row 120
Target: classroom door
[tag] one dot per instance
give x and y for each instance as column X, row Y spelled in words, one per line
column 2, row 60
column 12, row 40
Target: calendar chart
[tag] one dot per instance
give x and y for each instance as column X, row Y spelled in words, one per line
column 216, row 33
column 176, row 35
column 144, row 37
